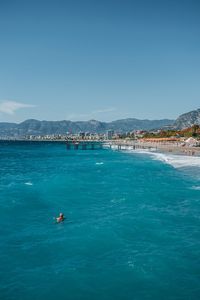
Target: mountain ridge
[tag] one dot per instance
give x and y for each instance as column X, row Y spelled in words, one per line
column 188, row 119
column 37, row 127
column 44, row 127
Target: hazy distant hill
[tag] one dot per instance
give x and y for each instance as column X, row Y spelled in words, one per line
column 35, row 127
column 134, row 124
column 188, row 119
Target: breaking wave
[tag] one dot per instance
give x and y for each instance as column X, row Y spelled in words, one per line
column 175, row 160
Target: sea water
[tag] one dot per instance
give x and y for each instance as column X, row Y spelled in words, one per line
column 131, row 229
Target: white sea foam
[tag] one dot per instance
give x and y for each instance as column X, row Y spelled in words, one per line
column 118, row 200
column 99, row 163
column 178, row 161
column 197, row 188
column 175, row 160
column 131, row 264
column 28, row 183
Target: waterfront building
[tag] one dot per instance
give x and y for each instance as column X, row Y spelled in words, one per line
column 109, row 134
column 82, row 135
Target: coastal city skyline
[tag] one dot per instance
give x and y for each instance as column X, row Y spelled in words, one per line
column 103, row 60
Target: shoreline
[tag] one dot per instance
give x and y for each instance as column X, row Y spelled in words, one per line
column 151, row 147
column 175, row 157
column 165, row 148
column 178, row 150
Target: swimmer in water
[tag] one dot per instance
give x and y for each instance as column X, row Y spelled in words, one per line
column 60, row 218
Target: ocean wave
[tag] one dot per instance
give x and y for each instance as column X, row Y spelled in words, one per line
column 28, row 183
column 197, row 188
column 99, row 163
column 175, row 160
column 178, row 161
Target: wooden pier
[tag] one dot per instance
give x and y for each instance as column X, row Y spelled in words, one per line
column 83, row 145
column 96, row 144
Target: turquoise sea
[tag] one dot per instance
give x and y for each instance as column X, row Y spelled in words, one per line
column 132, row 230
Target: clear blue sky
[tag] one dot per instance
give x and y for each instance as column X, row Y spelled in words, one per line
column 104, row 59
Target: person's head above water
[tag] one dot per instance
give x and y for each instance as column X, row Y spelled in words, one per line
column 60, row 218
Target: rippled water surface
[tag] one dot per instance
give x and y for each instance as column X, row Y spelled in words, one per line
column 132, row 227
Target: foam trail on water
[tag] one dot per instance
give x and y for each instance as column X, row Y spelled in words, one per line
column 99, row 163
column 28, row 183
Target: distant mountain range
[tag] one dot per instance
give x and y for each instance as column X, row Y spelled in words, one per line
column 35, row 127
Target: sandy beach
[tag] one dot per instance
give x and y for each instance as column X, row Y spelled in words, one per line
column 173, row 148
column 170, row 147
